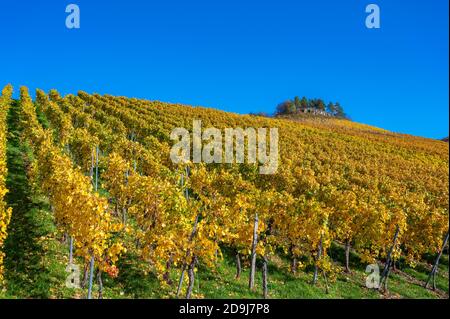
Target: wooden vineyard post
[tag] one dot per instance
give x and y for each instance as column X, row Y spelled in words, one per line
column 293, row 261
column 91, row 275
column 91, row 171
column 100, row 284
column 96, row 168
column 251, row 282
column 436, row 264
column 191, row 237
column 191, row 275
column 91, row 272
column 347, row 256
column 71, row 250
column 387, row 266
column 316, row 267
column 264, row 277
column 238, row 265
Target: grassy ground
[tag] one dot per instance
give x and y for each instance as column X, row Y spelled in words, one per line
column 34, row 268
column 36, row 259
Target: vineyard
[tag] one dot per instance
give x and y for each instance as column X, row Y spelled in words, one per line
column 87, row 186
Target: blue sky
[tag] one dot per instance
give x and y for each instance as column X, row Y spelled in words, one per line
column 241, row 56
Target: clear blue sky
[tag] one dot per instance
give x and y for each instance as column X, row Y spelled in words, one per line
column 241, row 56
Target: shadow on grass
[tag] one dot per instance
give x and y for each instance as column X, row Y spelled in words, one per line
column 136, row 282
column 24, row 254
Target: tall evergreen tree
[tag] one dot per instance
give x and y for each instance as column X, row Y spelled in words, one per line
column 331, row 108
column 320, row 105
column 340, row 111
column 291, row 107
column 297, row 103
column 312, row 103
column 304, row 103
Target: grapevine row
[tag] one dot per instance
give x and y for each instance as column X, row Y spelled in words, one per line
column 384, row 200
column 5, row 212
column 79, row 211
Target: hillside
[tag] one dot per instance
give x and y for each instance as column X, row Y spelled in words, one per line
column 92, row 175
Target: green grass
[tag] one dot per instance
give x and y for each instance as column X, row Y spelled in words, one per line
column 36, row 259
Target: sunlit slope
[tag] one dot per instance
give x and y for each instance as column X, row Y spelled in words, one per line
column 328, row 146
column 336, row 180
column 384, row 195
column 335, row 161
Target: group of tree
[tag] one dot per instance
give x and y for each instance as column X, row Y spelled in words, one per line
column 301, row 105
